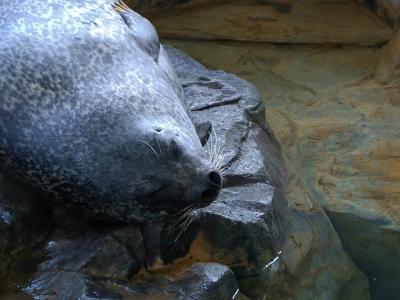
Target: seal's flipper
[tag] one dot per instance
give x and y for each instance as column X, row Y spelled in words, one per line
column 204, row 131
column 141, row 29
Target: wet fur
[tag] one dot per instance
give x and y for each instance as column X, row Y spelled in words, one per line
column 83, row 94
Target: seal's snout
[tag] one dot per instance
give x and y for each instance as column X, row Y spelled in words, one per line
column 213, row 186
column 192, row 180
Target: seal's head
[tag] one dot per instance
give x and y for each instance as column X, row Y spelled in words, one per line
column 177, row 174
column 158, row 170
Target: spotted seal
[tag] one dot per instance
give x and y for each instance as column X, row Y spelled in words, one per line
column 92, row 113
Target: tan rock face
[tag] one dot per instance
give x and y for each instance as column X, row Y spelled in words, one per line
column 334, row 109
column 387, row 9
column 339, row 130
column 329, row 114
column 289, row 21
column 388, row 66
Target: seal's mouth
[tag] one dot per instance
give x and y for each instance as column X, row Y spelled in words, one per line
column 157, row 200
column 173, row 197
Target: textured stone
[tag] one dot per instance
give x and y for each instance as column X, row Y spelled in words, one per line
column 24, row 220
column 201, row 281
column 282, row 21
column 339, row 133
column 277, row 249
column 72, row 257
column 387, row 9
column 388, row 66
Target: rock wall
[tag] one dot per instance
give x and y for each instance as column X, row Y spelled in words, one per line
column 332, row 107
column 339, row 135
column 389, row 10
column 282, row 21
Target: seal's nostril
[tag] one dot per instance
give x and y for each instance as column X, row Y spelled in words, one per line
column 215, row 178
column 208, row 196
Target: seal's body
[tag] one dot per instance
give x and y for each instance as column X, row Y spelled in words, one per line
column 91, row 114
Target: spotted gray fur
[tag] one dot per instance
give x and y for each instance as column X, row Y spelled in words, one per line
column 91, row 113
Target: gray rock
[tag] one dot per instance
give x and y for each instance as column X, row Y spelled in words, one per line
column 73, row 257
column 208, row 281
column 374, row 245
column 341, row 154
column 276, row 250
column 24, row 220
column 201, row 281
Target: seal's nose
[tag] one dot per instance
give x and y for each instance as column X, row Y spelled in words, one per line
column 212, row 189
column 215, row 179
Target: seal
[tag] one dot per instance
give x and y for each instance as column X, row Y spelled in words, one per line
column 92, row 115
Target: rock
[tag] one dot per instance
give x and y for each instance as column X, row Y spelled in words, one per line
column 152, row 6
column 73, row 256
column 276, row 250
column 280, row 21
column 201, row 281
column 338, row 131
column 387, row 9
column 23, row 217
column 24, row 220
column 101, row 254
column 388, row 66
column 208, row 281
column 373, row 244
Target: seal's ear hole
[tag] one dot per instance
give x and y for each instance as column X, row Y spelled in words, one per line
column 204, row 131
column 158, row 129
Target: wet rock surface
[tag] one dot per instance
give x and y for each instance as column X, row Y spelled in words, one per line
column 251, row 239
column 334, row 110
column 23, row 221
column 301, row 254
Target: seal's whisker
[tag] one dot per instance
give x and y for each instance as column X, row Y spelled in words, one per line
column 133, row 188
column 181, row 223
column 192, row 218
column 183, row 214
column 151, row 148
column 210, row 146
column 159, row 147
column 215, row 152
column 184, row 225
column 216, row 144
column 182, row 217
column 181, row 211
column 141, row 182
